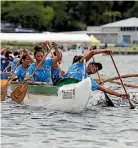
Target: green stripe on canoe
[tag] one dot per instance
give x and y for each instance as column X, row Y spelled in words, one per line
column 67, row 81
column 39, row 89
column 46, row 89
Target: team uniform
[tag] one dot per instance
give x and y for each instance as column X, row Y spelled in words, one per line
column 20, row 72
column 76, row 71
column 43, row 74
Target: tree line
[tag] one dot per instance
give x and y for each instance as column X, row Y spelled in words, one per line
column 66, row 15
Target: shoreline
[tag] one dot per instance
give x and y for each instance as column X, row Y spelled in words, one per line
column 130, row 52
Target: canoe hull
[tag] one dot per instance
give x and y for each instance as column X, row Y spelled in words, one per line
column 68, row 98
column 74, row 97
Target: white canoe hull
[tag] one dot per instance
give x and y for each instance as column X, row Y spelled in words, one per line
column 70, row 98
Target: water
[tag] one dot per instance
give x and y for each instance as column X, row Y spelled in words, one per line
column 97, row 126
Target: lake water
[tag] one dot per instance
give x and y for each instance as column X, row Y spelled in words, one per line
column 24, row 126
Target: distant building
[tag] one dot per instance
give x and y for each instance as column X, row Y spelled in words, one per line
column 116, row 32
column 12, row 28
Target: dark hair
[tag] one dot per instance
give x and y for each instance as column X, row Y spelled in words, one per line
column 10, row 58
column 94, row 47
column 77, row 58
column 16, row 53
column 7, row 54
column 99, row 65
column 37, row 47
column 38, row 50
column 23, row 58
column 54, row 53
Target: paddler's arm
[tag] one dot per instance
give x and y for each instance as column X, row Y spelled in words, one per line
column 58, row 54
column 4, row 49
column 90, row 53
column 112, row 92
column 31, row 59
column 27, row 53
column 17, row 73
column 29, row 72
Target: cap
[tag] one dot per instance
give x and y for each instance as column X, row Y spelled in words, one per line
column 92, row 63
column 99, row 65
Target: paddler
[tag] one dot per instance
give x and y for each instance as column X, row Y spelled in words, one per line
column 76, row 71
column 21, row 70
column 17, row 56
column 43, row 74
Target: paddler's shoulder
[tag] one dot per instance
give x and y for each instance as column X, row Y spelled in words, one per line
column 77, row 64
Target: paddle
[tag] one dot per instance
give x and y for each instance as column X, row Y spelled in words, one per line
column 19, row 93
column 108, row 100
column 130, row 103
column 4, row 85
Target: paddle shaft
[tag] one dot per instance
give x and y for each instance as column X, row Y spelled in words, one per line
column 118, row 73
column 132, row 106
column 108, row 100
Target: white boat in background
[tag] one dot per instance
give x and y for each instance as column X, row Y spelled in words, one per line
column 48, row 36
column 68, row 98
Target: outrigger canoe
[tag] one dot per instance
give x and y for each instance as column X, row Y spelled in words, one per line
column 69, row 97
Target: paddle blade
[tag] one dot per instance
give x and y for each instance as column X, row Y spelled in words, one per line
column 131, row 105
column 3, row 92
column 108, row 100
column 4, row 85
column 19, row 93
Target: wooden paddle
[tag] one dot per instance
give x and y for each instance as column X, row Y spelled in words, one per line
column 130, row 103
column 108, row 100
column 4, row 85
column 19, row 93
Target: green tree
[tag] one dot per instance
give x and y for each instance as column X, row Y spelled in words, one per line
column 133, row 11
column 28, row 14
column 112, row 15
column 66, row 15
